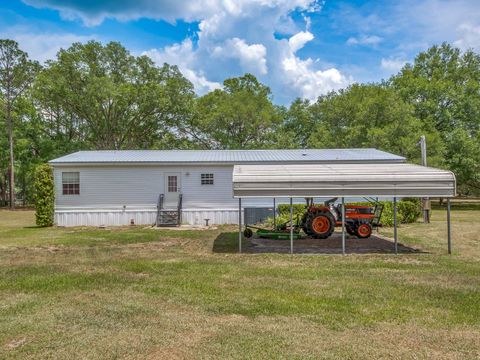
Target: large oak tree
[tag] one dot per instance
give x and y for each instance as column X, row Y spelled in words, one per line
column 110, row 99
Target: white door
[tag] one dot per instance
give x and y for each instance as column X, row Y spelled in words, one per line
column 172, row 190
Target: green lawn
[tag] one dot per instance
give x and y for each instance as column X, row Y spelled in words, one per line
column 146, row 294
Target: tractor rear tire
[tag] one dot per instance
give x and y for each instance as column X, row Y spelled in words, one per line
column 320, row 224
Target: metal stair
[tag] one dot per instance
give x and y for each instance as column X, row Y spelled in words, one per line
column 167, row 217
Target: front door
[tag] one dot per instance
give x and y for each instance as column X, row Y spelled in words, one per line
column 172, row 190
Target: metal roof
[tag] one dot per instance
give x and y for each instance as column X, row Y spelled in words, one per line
column 228, row 156
column 399, row 179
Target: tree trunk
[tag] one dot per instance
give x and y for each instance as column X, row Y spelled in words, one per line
column 3, row 192
column 11, row 181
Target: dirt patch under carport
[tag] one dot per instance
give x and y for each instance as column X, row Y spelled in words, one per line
column 333, row 245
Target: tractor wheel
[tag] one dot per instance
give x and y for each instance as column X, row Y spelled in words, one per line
column 305, row 221
column 364, row 231
column 248, row 233
column 350, row 230
column 321, row 224
column 303, row 224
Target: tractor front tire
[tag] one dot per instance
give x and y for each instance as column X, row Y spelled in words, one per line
column 306, row 220
column 363, row 230
column 350, row 230
column 320, row 224
column 248, row 233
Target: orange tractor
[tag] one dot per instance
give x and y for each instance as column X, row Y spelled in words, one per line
column 319, row 221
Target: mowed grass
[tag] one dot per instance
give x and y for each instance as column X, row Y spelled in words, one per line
column 139, row 293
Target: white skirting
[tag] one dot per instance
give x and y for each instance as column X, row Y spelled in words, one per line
column 141, row 217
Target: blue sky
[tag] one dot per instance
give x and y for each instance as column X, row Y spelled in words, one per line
column 300, row 48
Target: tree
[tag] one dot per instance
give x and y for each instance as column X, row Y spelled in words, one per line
column 371, row 115
column 109, row 99
column 298, row 124
column 16, row 75
column 239, row 116
column 443, row 87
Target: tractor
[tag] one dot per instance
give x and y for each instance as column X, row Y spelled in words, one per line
column 319, row 221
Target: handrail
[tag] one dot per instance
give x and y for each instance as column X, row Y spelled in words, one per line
column 179, row 207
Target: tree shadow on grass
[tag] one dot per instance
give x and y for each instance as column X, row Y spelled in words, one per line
column 227, row 242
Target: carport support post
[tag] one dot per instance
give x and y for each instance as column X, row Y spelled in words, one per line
column 274, row 214
column 395, row 237
column 449, row 228
column 291, row 226
column 239, row 225
column 343, row 225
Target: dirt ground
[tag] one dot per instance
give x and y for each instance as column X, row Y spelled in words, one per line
column 376, row 243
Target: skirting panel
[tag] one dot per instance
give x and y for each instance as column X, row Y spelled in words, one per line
column 216, row 217
column 141, row 217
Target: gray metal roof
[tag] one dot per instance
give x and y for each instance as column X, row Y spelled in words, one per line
column 228, row 156
column 372, row 179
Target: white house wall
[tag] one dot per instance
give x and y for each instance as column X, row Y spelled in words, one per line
column 116, row 195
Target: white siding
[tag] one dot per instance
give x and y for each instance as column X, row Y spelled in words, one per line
column 105, row 190
column 137, row 187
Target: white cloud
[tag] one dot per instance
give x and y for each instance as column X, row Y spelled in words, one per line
column 94, row 13
column 299, row 40
column 234, row 37
column 185, row 58
column 392, row 65
column 252, row 58
column 42, row 46
column 302, row 75
column 468, row 37
column 241, row 39
column 369, row 40
column 312, row 83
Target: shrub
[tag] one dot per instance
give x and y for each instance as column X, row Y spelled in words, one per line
column 298, row 209
column 409, row 211
column 44, row 195
column 283, row 215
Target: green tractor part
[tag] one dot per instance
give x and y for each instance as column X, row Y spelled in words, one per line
column 276, row 235
column 280, row 232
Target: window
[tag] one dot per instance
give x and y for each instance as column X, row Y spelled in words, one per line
column 172, row 184
column 71, row 183
column 207, row 179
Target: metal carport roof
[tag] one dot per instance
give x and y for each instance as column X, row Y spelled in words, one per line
column 340, row 180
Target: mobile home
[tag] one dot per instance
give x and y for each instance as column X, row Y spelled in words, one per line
column 94, row 188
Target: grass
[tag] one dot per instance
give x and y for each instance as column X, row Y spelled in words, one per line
column 139, row 293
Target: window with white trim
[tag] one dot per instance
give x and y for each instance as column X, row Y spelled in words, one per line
column 207, row 179
column 172, row 183
column 70, row 183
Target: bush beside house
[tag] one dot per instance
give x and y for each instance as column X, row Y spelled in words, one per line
column 44, row 195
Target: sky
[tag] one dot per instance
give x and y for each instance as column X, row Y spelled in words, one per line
column 299, row 48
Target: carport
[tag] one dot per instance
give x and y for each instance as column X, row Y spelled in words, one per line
column 394, row 180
